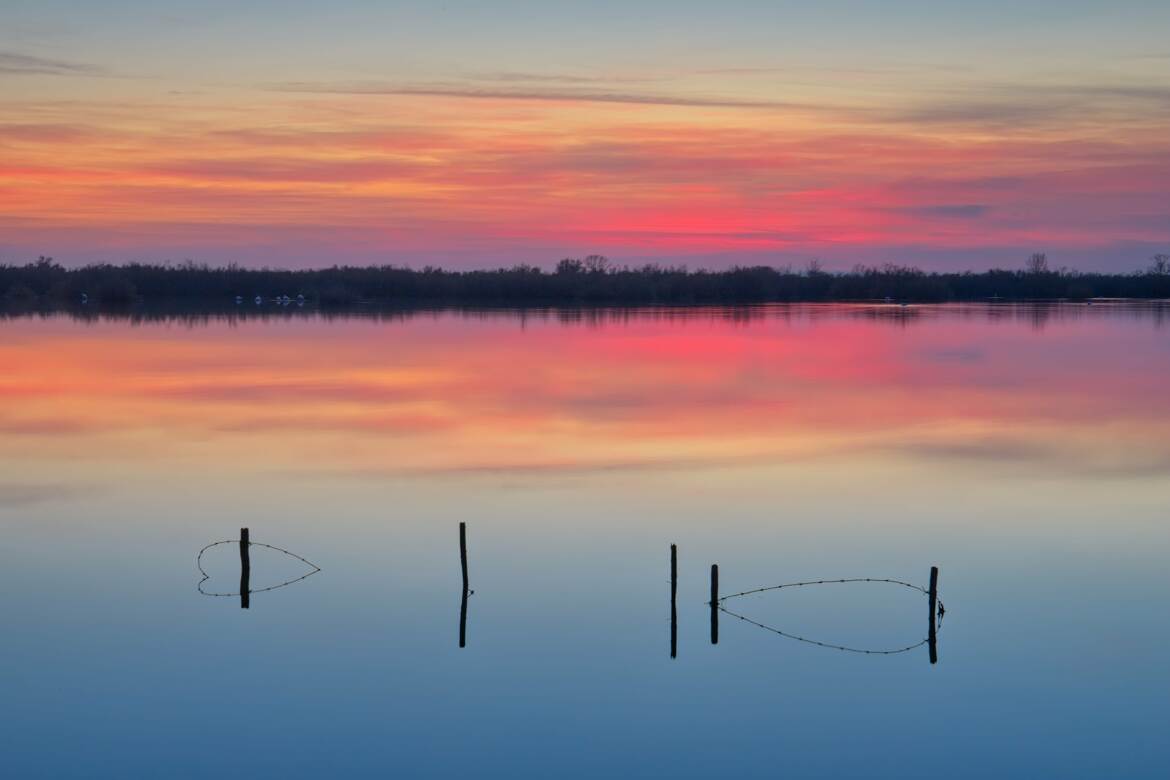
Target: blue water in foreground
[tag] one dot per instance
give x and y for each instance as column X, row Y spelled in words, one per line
column 1027, row 458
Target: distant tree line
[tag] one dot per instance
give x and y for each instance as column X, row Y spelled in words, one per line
column 591, row 280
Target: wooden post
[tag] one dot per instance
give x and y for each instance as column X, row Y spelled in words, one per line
column 245, row 570
column 466, row 586
column 463, row 553
column 674, row 601
column 714, row 604
column 932, row 637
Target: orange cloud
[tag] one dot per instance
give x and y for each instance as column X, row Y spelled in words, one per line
column 370, row 170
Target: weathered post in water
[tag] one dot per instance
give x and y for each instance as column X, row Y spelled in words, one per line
column 932, row 636
column 674, row 601
column 714, row 604
column 245, row 569
column 466, row 586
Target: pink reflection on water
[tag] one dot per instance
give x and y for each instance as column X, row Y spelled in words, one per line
column 1056, row 388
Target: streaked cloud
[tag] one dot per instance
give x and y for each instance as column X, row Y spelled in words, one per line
column 564, row 94
column 17, row 64
column 512, row 77
column 960, row 211
column 1017, row 455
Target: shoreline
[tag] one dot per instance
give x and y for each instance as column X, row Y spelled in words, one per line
column 593, row 282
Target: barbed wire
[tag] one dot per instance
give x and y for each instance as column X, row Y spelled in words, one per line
column 941, row 610
column 826, row 582
column 199, row 565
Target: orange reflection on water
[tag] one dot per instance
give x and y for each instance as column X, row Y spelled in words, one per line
column 449, row 394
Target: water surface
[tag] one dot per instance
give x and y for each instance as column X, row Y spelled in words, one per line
column 1023, row 450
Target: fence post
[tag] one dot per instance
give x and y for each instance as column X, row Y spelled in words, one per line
column 714, row 604
column 463, row 553
column 466, row 586
column 245, row 570
column 932, row 636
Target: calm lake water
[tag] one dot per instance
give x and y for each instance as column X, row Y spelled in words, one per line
column 1025, row 451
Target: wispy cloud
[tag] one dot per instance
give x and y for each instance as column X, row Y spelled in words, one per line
column 531, row 93
column 16, row 64
column 885, row 69
column 984, row 112
column 46, row 132
column 1017, row 455
column 1033, row 105
column 977, row 104
column 950, row 211
column 518, row 77
column 44, row 426
column 281, row 169
column 1157, row 93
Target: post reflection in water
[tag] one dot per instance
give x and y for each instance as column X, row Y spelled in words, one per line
column 463, row 620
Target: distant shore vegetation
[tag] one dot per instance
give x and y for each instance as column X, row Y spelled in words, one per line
column 592, row 280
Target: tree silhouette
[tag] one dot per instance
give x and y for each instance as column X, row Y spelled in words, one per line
column 575, row 281
column 1037, row 263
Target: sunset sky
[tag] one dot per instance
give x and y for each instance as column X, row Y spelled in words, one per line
column 944, row 134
